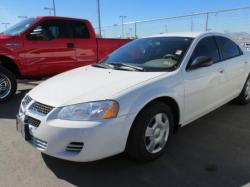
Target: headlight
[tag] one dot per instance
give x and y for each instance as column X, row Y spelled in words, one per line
column 89, row 111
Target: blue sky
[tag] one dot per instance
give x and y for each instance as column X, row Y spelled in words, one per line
column 112, row 9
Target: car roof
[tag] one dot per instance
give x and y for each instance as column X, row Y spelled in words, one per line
column 59, row 17
column 186, row 34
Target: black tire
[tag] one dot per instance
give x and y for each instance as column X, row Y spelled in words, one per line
column 136, row 146
column 244, row 97
column 11, row 80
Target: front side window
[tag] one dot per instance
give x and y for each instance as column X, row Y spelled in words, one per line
column 208, row 48
column 20, row 27
column 50, row 29
column 228, row 48
column 151, row 54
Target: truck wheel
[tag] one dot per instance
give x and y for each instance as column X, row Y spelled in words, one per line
column 8, row 84
column 244, row 97
column 150, row 132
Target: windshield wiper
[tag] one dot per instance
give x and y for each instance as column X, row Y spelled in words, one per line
column 120, row 65
column 106, row 66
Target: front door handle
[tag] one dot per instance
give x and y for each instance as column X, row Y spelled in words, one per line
column 70, row 45
column 221, row 71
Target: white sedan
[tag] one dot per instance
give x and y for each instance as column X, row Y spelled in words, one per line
column 135, row 98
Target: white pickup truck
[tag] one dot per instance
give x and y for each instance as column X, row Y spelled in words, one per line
column 134, row 99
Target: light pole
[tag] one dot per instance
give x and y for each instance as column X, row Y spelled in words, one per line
column 49, row 9
column 192, row 24
column 103, row 35
column 207, row 17
column 99, row 18
column 115, row 30
column 166, row 28
column 131, row 32
column 122, row 18
column 5, row 24
column 54, row 7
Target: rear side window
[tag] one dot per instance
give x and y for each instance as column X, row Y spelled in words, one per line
column 79, row 29
column 57, row 28
column 228, row 48
column 206, row 47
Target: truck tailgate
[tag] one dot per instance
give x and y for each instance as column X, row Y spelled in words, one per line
column 108, row 45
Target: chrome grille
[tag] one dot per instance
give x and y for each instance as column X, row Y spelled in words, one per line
column 32, row 121
column 41, row 108
column 75, row 147
column 26, row 100
column 39, row 144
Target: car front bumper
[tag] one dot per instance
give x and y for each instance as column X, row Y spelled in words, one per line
column 87, row 140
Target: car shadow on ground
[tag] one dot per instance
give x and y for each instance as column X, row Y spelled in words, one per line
column 9, row 109
column 212, row 151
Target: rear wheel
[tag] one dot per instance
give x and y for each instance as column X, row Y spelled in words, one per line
column 244, row 97
column 151, row 132
column 8, row 84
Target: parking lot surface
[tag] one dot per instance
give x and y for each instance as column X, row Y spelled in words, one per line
column 212, row 151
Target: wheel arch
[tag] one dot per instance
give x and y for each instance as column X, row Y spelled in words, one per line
column 171, row 102
column 10, row 64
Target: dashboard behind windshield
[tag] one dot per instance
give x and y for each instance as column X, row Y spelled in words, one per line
column 19, row 27
column 152, row 54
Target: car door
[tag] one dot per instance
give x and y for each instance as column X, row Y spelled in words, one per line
column 203, row 86
column 235, row 66
column 85, row 44
column 49, row 48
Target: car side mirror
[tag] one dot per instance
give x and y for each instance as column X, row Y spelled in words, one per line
column 201, row 61
column 36, row 34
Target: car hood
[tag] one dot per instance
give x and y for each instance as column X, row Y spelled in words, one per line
column 87, row 84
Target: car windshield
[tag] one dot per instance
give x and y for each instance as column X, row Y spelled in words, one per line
column 19, row 27
column 150, row 54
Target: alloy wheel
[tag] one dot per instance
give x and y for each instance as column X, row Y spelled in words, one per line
column 247, row 90
column 5, row 86
column 157, row 133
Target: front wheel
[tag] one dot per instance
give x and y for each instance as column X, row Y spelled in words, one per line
column 244, row 97
column 150, row 133
column 8, row 84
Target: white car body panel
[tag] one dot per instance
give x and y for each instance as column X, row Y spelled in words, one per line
column 87, row 84
column 196, row 93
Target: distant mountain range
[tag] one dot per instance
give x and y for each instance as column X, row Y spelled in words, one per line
column 242, row 37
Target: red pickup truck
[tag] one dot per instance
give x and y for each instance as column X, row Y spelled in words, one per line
column 45, row 46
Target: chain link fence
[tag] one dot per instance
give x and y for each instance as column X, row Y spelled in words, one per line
column 232, row 21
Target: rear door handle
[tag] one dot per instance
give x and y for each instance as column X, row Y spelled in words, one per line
column 70, row 45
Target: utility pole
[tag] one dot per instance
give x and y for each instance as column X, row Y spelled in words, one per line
column 122, row 18
column 99, row 18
